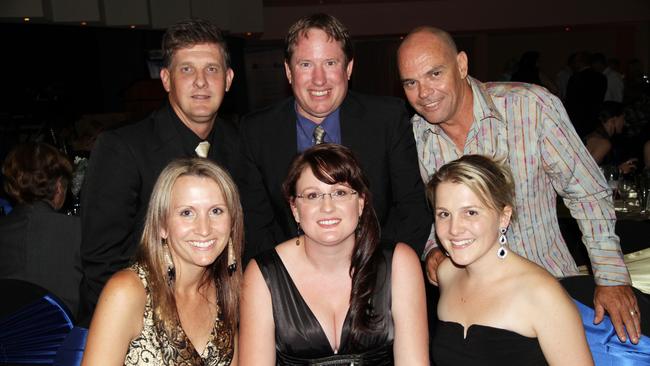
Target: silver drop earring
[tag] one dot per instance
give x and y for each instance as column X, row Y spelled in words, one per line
column 502, row 252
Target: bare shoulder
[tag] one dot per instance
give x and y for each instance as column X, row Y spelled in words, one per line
column 596, row 142
column 406, row 278
column 539, row 286
column 404, row 255
column 126, row 289
column 252, row 272
column 254, row 286
column 118, row 319
column 256, row 324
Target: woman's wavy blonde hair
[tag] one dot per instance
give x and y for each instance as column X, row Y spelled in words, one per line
column 151, row 253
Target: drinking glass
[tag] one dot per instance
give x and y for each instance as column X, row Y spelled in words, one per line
column 611, row 176
column 627, row 193
column 644, row 191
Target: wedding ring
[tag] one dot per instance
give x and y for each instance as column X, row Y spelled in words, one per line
column 632, row 312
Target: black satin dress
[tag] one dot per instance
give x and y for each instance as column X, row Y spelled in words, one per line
column 299, row 338
column 484, row 345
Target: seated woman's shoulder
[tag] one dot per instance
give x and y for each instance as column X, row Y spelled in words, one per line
column 536, row 282
column 403, row 252
column 126, row 287
column 404, row 258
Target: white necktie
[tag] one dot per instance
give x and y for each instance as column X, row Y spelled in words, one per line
column 202, row 149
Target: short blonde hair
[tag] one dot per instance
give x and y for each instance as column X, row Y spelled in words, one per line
column 490, row 180
column 151, row 253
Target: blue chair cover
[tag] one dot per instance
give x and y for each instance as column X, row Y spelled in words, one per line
column 72, row 349
column 34, row 333
column 6, row 206
column 605, row 346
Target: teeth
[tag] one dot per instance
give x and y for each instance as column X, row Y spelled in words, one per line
column 320, row 93
column 202, row 244
column 460, row 243
column 329, row 222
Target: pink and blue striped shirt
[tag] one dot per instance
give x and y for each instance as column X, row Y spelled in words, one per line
column 529, row 126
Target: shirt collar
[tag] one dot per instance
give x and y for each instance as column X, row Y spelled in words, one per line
column 189, row 140
column 330, row 124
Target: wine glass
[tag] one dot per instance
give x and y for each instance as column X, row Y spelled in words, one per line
column 625, row 188
column 611, row 176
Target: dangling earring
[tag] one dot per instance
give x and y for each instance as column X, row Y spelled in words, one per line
column 299, row 230
column 171, row 270
column 232, row 261
column 502, row 252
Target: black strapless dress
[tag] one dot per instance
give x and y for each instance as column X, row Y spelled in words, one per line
column 484, row 345
column 299, row 338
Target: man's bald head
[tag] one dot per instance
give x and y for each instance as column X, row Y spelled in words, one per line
column 433, row 75
column 425, row 32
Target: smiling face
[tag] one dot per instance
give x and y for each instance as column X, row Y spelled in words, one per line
column 433, row 77
column 326, row 221
column 466, row 227
column 198, row 224
column 196, row 81
column 318, row 73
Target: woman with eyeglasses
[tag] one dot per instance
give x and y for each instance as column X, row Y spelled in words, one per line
column 331, row 296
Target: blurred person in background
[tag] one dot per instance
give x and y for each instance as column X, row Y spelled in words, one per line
column 38, row 244
column 600, row 142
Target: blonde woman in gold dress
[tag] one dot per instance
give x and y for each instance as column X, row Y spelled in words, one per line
column 178, row 304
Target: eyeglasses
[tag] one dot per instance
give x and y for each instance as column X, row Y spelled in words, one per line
column 339, row 195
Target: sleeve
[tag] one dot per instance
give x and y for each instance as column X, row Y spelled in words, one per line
column 262, row 230
column 414, row 217
column 108, row 209
column 576, row 177
column 420, row 143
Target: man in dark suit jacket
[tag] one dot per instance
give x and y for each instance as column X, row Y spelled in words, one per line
column 318, row 64
column 125, row 163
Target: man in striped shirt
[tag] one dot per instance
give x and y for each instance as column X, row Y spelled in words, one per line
column 458, row 115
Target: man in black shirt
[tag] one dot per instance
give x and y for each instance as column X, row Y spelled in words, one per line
column 126, row 162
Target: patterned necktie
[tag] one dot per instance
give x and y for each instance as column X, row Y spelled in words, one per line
column 319, row 135
column 202, row 149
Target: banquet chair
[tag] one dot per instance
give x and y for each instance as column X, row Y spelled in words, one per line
column 72, row 349
column 581, row 288
column 33, row 323
column 604, row 344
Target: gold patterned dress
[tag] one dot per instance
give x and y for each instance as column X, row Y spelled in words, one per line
column 154, row 347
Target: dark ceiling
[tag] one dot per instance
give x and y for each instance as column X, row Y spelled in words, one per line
column 329, row 2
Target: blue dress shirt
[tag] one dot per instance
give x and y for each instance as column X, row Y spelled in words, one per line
column 305, row 130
